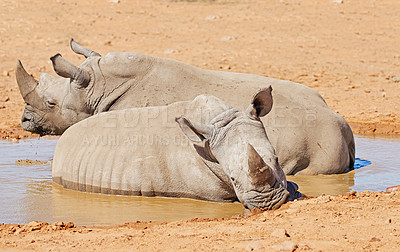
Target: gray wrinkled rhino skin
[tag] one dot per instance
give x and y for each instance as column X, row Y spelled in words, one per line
column 223, row 155
column 309, row 138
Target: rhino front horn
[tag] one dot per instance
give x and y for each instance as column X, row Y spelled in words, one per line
column 82, row 50
column 260, row 172
column 66, row 69
column 26, row 83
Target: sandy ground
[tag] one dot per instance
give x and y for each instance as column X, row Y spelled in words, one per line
column 349, row 52
column 367, row 221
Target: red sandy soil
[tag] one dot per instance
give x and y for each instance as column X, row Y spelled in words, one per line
column 367, row 221
column 349, row 52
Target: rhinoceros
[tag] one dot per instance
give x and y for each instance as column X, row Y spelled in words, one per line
column 309, row 138
column 223, row 155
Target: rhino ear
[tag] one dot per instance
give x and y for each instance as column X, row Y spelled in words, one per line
column 78, row 49
column 66, row 69
column 199, row 134
column 260, row 172
column 195, row 131
column 262, row 103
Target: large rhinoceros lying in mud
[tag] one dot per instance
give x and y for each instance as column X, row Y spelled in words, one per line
column 308, row 136
column 225, row 155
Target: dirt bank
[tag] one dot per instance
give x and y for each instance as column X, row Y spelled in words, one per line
column 349, row 52
column 366, row 221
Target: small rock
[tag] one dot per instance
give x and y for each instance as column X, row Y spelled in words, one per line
column 2, row 107
column 227, row 38
column 6, row 73
column 383, row 94
column 170, row 51
column 280, row 233
column 113, row 1
column 367, row 91
column 6, row 99
column 12, row 229
column 374, row 239
column 254, row 246
column 286, row 246
column 395, row 79
column 34, row 225
column 212, row 17
column 70, row 225
column 388, row 221
column 107, row 43
column 19, row 231
column 393, row 188
column 337, row 1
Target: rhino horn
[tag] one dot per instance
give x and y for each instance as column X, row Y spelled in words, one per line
column 26, row 83
column 260, row 172
column 82, row 50
column 66, row 69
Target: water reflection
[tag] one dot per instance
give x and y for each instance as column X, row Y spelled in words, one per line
column 29, row 194
column 377, row 169
column 101, row 209
column 324, row 184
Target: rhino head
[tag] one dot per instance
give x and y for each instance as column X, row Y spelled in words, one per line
column 54, row 103
column 237, row 141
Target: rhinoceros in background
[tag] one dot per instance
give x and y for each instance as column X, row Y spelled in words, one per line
column 225, row 155
column 309, row 138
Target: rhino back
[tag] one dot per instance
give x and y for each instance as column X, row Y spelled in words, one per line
column 169, row 81
column 136, row 152
column 298, row 113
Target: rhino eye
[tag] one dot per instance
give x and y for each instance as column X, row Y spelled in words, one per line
column 50, row 104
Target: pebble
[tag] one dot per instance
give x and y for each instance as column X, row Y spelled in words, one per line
column 6, row 73
column 280, row 233
column 2, row 107
column 170, row 51
column 227, row 38
column 114, row 1
column 374, row 239
column 395, row 79
column 254, row 246
column 286, row 246
column 383, row 94
column 338, row 1
column 212, row 17
column 393, row 188
column 367, row 91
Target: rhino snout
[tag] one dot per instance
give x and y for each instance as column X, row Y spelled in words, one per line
column 26, row 121
column 26, row 118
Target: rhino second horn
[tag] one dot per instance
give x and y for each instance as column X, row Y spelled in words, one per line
column 82, row 50
column 66, row 69
column 26, row 83
column 260, row 172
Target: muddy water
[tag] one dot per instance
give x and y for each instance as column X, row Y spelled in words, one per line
column 27, row 192
column 384, row 170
